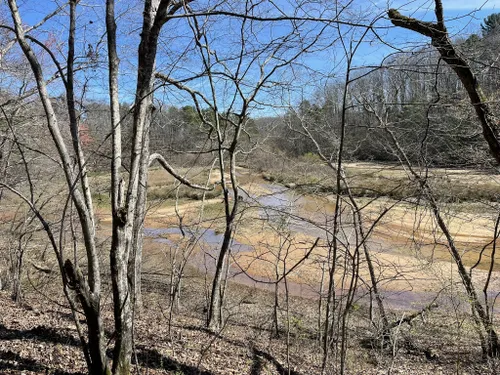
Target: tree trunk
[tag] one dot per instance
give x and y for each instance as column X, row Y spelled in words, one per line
column 95, row 349
column 135, row 267
column 17, row 267
column 5, row 152
column 441, row 41
column 214, row 317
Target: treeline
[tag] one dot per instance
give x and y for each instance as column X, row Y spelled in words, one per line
column 415, row 95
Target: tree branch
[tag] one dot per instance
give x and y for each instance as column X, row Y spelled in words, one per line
column 157, row 157
column 441, row 41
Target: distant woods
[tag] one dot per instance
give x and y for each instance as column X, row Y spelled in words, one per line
column 420, row 97
column 421, row 100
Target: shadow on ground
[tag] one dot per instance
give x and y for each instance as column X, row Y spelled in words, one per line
column 258, row 363
column 39, row 333
column 151, row 358
column 15, row 363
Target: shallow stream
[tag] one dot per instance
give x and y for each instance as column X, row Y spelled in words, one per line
column 302, row 214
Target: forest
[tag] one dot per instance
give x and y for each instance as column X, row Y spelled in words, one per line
column 249, row 187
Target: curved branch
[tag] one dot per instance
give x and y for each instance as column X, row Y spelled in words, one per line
column 45, row 48
column 459, row 64
column 157, row 157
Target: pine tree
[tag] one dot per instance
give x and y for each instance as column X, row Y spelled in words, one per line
column 491, row 24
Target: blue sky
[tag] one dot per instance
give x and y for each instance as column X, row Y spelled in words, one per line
column 451, row 5
column 463, row 18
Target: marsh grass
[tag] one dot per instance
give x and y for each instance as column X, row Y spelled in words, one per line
column 376, row 180
column 161, row 186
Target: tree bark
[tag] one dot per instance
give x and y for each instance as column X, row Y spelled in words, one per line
column 214, row 317
column 96, row 346
column 88, row 293
column 441, row 41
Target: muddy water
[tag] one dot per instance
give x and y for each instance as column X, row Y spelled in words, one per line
column 209, row 237
column 301, row 214
column 318, row 211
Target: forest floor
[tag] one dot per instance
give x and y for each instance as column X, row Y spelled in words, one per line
column 39, row 337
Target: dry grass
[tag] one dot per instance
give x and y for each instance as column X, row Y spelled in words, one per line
column 375, row 180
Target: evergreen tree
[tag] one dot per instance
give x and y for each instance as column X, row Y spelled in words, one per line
column 491, row 24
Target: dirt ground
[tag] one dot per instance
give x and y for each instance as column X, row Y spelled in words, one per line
column 39, row 337
column 409, row 252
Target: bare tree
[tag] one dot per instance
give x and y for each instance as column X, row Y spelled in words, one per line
column 245, row 75
column 441, row 41
column 128, row 198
